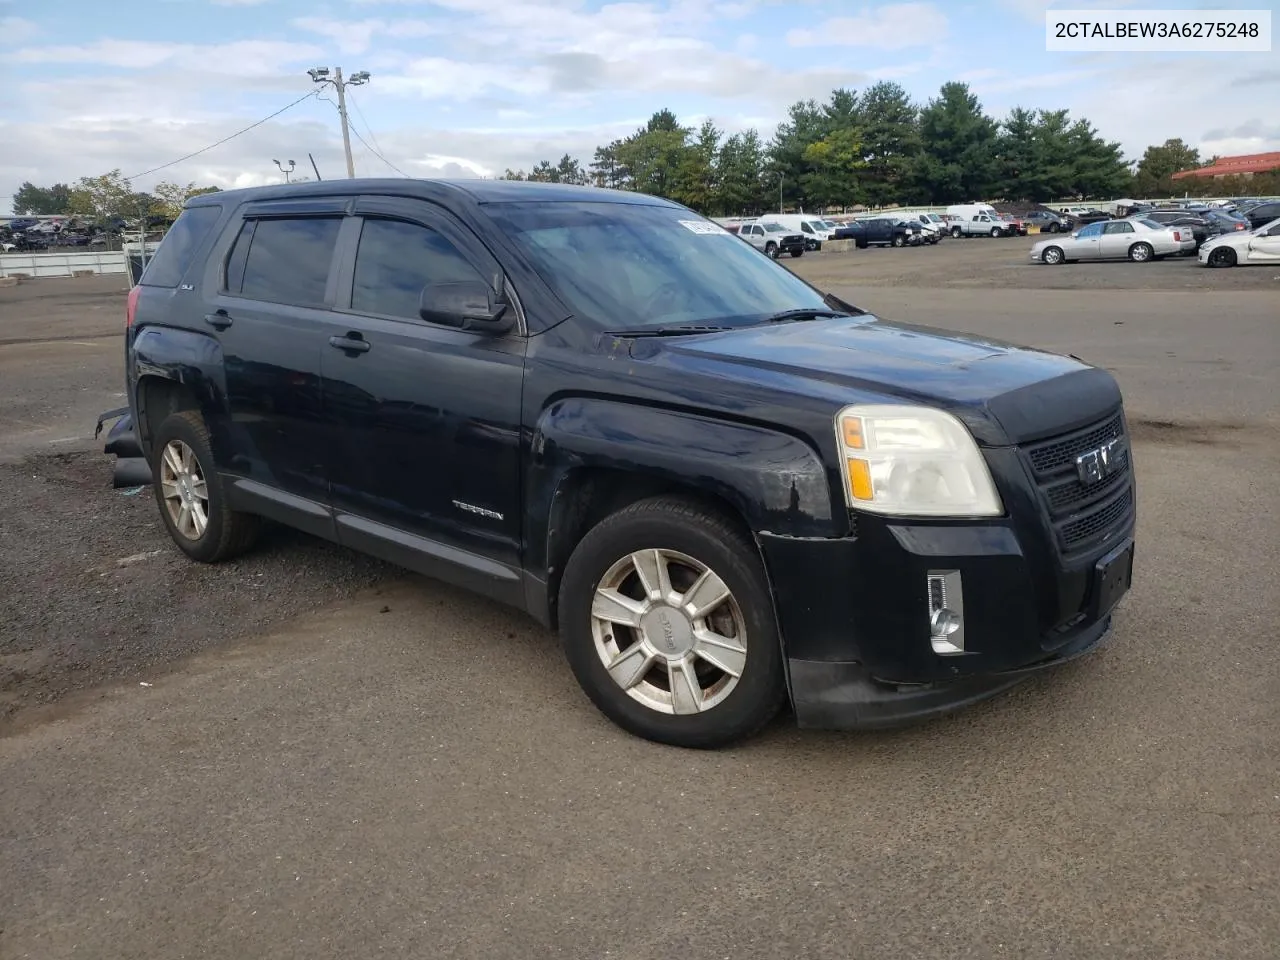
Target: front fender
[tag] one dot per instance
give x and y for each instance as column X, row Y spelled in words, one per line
column 776, row 481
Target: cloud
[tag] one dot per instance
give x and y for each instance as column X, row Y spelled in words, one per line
column 248, row 56
column 14, row 30
column 356, row 36
column 893, row 27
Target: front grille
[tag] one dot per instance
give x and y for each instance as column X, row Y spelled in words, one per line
column 1083, row 514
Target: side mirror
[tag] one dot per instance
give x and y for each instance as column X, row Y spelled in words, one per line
column 1075, row 234
column 468, row 304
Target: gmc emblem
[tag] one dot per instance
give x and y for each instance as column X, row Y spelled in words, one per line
column 1095, row 466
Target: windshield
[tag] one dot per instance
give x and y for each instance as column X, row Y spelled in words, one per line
column 773, row 228
column 622, row 265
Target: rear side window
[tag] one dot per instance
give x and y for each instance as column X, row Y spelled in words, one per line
column 287, row 260
column 179, row 246
column 395, row 260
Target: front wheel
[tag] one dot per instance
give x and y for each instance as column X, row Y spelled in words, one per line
column 771, row 249
column 1052, row 256
column 796, row 252
column 1141, row 252
column 667, row 623
column 956, row 233
column 1222, row 257
column 899, row 240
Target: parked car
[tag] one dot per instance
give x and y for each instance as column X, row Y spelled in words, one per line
column 1227, row 220
column 1136, row 240
column 772, row 238
column 886, row 231
column 725, row 489
column 981, row 225
column 814, row 228
column 1017, row 225
column 1250, row 247
column 1262, row 213
column 929, row 233
column 1047, row 222
column 1201, row 228
column 22, row 224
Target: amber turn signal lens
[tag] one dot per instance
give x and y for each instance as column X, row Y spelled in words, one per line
column 860, row 479
column 853, row 433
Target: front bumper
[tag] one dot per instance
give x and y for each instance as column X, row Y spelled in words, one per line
column 854, row 613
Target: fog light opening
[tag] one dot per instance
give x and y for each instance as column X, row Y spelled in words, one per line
column 946, row 612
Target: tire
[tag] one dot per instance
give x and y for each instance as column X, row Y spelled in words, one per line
column 899, row 240
column 796, row 253
column 1053, row 256
column 996, row 231
column 860, row 244
column 771, row 249
column 682, row 537
column 1141, row 252
column 1051, row 228
column 182, row 468
column 956, row 233
column 1222, row 257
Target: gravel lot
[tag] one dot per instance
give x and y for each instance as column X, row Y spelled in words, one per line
column 309, row 754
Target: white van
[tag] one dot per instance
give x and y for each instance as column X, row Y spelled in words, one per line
column 815, row 228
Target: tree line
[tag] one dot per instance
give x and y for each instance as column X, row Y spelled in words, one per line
column 878, row 148
column 105, row 198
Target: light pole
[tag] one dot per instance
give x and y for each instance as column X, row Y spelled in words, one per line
column 779, row 193
column 321, row 76
column 285, row 170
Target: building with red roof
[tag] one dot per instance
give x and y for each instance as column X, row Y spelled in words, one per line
column 1242, row 166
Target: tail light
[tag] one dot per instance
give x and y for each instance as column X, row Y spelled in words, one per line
column 1177, row 236
column 131, row 305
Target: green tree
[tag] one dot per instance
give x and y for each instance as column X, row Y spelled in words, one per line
column 835, row 162
column 1154, row 176
column 959, row 140
column 103, row 197
column 1097, row 166
column 31, row 199
column 606, row 171
column 740, row 166
column 653, row 153
column 170, row 196
column 697, row 177
column 890, row 142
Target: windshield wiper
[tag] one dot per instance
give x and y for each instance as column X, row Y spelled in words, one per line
column 666, row 331
column 804, row 313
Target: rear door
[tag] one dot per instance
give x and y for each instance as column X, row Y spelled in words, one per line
column 267, row 303
column 1117, row 235
column 422, row 420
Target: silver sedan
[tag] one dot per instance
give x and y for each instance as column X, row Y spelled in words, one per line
column 1136, row 239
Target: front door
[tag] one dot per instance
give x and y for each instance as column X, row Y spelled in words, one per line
column 1266, row 246
column 425, row 442
column 269, row 286
column 1087, row 243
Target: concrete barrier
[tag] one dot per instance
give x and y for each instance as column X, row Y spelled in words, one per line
column 838, row 246
column 9, row 281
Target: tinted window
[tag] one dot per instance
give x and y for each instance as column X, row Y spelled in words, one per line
column 179, row 246
column 288, row 260
column 396, row 260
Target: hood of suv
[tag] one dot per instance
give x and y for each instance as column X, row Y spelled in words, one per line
column 1022, row 393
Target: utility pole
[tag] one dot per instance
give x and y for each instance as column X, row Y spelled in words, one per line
column 321, row 75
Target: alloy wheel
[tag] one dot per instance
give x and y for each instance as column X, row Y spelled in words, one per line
column 185, row 490
column 669, row 631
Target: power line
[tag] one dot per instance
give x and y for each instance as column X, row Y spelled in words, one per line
column 372, row 136
column 375, row 152
column 224, row 139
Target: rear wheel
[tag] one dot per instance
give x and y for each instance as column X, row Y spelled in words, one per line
column 1140, row 252
column 189, row 491
column 797, row 251
column 1222, row 257
column 668, row 626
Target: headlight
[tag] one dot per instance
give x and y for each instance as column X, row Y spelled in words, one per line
column 913, row 461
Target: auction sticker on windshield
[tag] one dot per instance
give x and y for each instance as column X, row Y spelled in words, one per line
column 701, row 226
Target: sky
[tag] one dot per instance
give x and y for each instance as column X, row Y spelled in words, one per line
column 466, row 88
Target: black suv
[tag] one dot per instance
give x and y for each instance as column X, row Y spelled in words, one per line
column 723, row 487
column 1262, row 213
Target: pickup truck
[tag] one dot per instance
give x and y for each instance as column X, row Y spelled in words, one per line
column 726, row 489
column 773, row 238
column 981, row 225
column 886, row 231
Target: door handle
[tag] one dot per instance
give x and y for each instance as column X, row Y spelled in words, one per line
column 219, row 320
column 352, row 341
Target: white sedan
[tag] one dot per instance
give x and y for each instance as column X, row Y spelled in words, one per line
column 1137, row 239
column 1243, row 247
